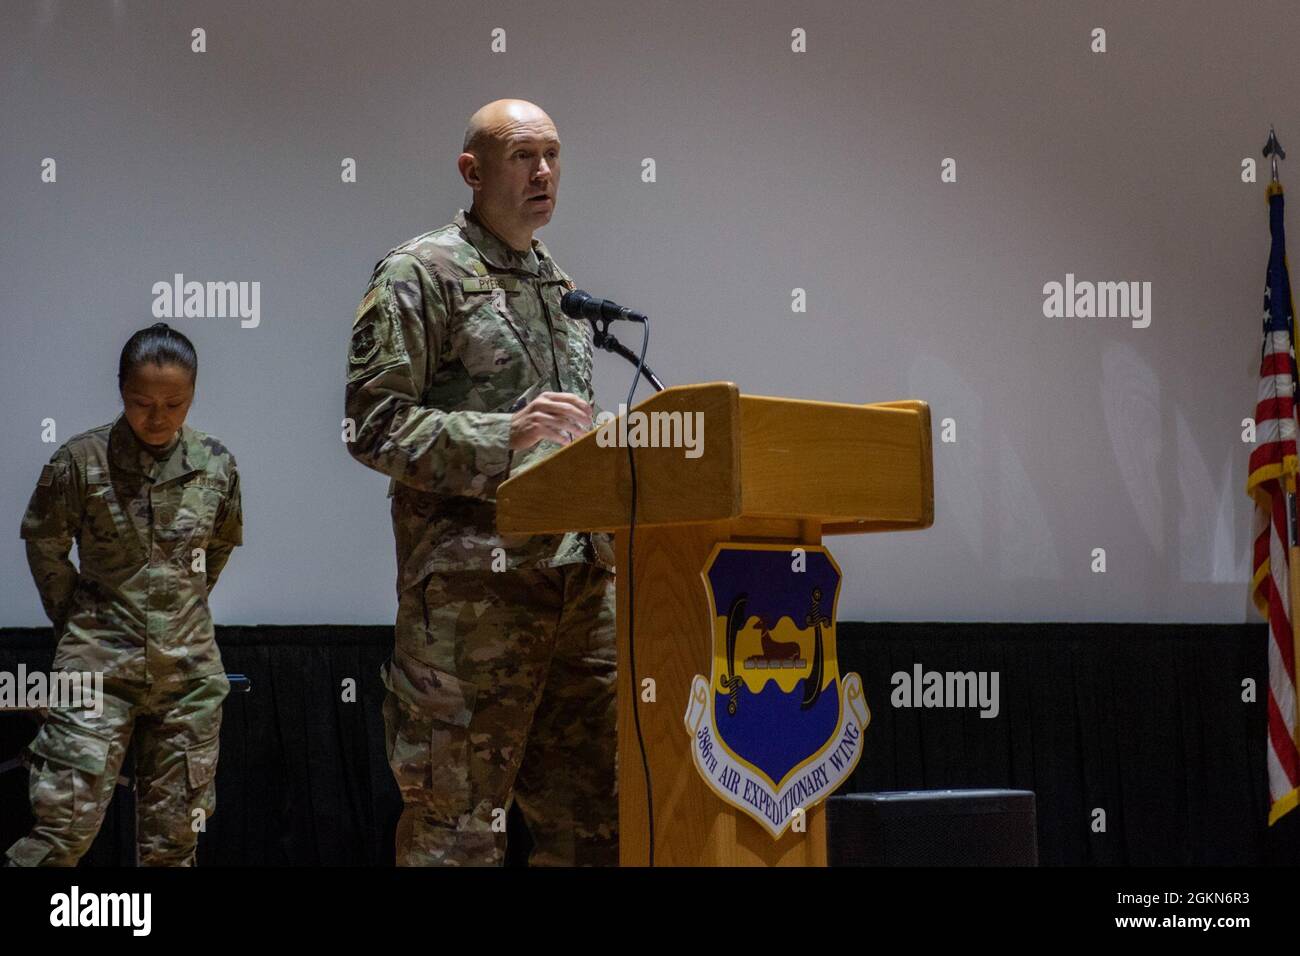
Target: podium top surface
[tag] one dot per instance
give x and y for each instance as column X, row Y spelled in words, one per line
column 708, row 453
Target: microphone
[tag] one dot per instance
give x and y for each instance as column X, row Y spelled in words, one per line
column 579, row 305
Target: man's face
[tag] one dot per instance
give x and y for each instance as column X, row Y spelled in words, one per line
column 155, row 400
column 521, row 177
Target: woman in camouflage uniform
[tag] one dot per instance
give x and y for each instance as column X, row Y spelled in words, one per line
column 154, row 507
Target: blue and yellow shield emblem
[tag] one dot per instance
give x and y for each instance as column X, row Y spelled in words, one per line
column 776, row 728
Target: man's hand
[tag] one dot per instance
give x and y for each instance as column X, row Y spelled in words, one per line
column 559, row 417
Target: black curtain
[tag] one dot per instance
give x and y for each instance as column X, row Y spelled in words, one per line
column 1143, row 722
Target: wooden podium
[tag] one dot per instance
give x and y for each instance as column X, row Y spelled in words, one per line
column 772, row 470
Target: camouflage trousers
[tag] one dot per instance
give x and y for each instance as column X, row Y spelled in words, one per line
column 502, row 687
column 75, row 760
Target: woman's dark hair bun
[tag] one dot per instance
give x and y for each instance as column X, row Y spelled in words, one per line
column 159, row 344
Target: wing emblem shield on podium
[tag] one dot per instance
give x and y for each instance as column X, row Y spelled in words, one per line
column 776, row 727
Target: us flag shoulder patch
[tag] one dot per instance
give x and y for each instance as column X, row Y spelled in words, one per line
column 47, row 476
column 367, row 302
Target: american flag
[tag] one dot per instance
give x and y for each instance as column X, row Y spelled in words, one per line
column 1271, row 483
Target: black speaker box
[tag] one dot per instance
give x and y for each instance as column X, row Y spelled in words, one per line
column 932, row 828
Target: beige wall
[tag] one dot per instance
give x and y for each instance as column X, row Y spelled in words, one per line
column 775, row 170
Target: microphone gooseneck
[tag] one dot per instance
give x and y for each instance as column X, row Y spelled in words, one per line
column 600, row 312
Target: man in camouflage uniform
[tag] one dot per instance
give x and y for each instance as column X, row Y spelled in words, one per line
column 462, row 371
column 137, row 612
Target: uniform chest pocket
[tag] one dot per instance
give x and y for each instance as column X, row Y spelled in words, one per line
column 576, row 334
column 105, row 525
column 188, row 512
column 580, row 358
column 486, row 344
column 492, row 351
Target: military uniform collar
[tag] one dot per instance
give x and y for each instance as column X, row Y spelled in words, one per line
column 496, row 252
column 126, row 453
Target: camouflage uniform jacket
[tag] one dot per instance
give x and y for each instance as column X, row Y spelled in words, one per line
column 136, row 609
column 456, row 332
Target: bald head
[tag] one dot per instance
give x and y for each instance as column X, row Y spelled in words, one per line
column 492, row 124
column 511, row 160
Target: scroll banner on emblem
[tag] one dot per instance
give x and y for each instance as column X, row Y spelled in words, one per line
column 775, row 728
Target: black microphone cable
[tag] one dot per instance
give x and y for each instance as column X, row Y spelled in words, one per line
column 631, row 607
